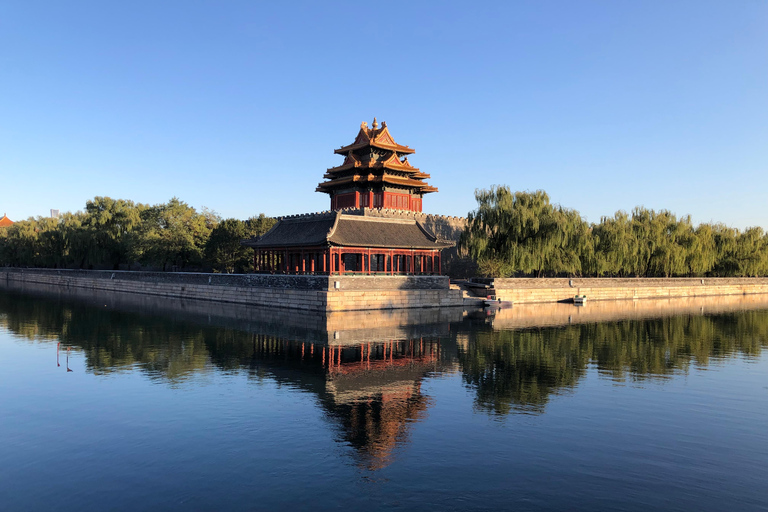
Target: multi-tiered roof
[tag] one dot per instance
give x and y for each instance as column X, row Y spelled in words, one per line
column 375, row 174
column 372, row 228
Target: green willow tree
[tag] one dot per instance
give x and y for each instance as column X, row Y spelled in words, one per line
column 522, row 233
column 110, row 224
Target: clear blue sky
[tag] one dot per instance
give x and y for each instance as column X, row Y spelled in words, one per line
column 238, row 106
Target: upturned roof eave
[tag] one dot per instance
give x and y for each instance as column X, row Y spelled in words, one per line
column 397, row 147
column 436, row 245
column 377, row 166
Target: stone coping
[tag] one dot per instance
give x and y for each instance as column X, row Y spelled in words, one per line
column 275, row 281
column 616, row 282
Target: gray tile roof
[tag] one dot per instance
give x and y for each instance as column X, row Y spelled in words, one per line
column 294, row 232
column 369, row 232
column 349, row 231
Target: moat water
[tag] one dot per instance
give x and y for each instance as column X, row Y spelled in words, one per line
column 111, row 403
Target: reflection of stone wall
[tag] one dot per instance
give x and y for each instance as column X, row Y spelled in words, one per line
column 314, row 293
column 550, row 315
column 531, row 290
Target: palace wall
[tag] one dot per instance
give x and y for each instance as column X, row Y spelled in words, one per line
column 535, row 290
column 302, row 292
column 361, row 293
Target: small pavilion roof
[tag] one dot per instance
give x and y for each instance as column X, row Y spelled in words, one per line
column 346, row 230
column 5, row 221
column 375, row 137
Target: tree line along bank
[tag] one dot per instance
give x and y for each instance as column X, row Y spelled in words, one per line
column 515, row 234
column 510, row 234
column 120, row 234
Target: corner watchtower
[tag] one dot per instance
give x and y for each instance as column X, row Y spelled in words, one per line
column 375, row 174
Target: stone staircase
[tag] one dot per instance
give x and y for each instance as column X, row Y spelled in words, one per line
column 473, row 294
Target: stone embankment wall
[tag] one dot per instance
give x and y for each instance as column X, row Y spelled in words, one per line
column 314, row 293
column 524, row 290
column 334, row 328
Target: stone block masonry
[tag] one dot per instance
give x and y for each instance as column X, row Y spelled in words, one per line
column 302, row 292
column 531, row 290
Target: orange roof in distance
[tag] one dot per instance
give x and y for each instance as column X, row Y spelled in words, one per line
column 5, row 221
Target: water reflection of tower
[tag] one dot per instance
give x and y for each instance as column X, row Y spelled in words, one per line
column 371, row 390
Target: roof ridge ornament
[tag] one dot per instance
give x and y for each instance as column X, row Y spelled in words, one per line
column 375, row 123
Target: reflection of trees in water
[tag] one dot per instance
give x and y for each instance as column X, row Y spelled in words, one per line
column 35, row 321
column 372, row 391
column 112, row 341
column 520, row 370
